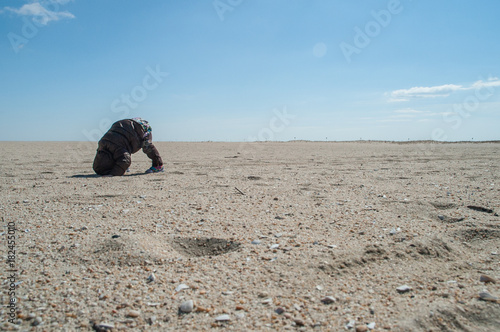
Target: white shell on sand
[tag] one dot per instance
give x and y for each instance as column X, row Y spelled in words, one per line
column 222, row 318
column 181, row 287
column 186, row 306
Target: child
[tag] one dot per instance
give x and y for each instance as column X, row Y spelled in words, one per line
column 124, row 138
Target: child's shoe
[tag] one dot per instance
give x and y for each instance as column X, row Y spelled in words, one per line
column 154, row 169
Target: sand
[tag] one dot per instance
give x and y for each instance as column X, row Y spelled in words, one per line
column 259, row 236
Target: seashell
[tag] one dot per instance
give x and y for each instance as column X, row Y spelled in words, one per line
column 328, row 300
column 181, row 287
column 485, row 296
column 486, row 279
column 186, row 306
column 404, row 289
column 222, row 318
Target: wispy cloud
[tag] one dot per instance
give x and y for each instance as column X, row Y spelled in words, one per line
column 439, row 90
column 40, row 13
column 425, row 92
column 491, row 82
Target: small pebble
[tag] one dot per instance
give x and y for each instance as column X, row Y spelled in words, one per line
column 328, row 300
column 274, row 246
column 485, row 296
column 362, row 328
column 152, row 320
column 256, row 242
column 350, row 325
column 299, row 322
column 187, row 306
column 104, row 326
column 37, row 321
column 223, row 318
column 267, row 301
column 133, row 314
column 181, row 287
column 240, row 315
column 403, row 289
column 263, row 294
column 151, row 278
column 279, row 310
column 486, row 279
column 115, row 236
column 371, row 326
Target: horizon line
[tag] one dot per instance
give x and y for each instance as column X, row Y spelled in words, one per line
column 274, row 141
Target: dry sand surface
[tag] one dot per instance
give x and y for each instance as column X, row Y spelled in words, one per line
column 259, row 236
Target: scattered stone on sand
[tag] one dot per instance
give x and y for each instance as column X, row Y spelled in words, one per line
column 223, row 318
column 361, row 328
column 404, row 289
column 151, row 278
column 263, row 294
column 350, row 325
column 279, row 310
column 133, row 313
column 487, row 279
column 102, row 327
column 186, row 306
column 181, row 287
column 37, row 321
column 267, row 301
column 485, row 296
column 152, row 320
column 256, row 242
column 328, row 300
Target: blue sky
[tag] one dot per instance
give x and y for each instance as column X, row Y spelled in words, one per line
column 244, row 70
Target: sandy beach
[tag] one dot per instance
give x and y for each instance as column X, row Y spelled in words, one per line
column 269, row 236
